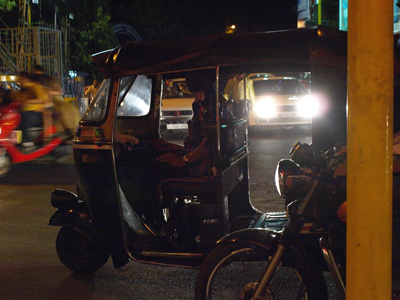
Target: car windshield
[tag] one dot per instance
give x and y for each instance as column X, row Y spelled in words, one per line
column 176, row 88
column 279, row 87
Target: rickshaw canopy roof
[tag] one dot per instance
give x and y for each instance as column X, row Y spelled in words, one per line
column 294, row 50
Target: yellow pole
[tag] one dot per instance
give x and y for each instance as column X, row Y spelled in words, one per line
column 370, row 125
column 319, row 12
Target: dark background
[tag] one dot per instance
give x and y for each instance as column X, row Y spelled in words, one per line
column 154, row 19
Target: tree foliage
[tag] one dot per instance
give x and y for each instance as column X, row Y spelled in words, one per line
column 7, row 5
column 89, row 32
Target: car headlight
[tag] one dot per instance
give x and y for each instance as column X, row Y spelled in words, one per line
column 309, row 106
column 265, row 107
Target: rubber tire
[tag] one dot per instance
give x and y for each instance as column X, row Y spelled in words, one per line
column 315, row 286
column 4, row 171
column 78, row 253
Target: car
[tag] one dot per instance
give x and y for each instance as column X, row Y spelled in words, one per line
column 176, row 104
column 281, row 101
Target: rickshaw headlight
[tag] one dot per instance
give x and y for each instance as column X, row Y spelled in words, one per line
column 265, row 107
column 309, row 106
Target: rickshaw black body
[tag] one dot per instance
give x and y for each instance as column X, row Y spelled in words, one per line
column 223, row 206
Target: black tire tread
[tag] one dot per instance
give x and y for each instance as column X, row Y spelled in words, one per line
column 96, row 259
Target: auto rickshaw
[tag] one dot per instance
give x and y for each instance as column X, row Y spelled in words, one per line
column 101, row 219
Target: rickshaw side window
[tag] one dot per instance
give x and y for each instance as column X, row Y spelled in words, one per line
column 98, row 107
column 134, row 99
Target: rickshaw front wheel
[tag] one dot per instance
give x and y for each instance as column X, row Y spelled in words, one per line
column 78, row 253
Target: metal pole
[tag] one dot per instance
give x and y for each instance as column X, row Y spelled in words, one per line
column 319, row 12
column 370, row 139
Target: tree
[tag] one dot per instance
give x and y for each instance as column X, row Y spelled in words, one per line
column 90, row 31
column 87, row 32
column 86, row 29
column 7, row 5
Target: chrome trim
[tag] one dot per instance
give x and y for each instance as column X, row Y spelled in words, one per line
column 330, row 261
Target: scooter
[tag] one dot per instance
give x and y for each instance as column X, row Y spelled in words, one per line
column 11, row 149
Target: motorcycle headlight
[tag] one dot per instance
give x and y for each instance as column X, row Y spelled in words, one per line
column 289, row 178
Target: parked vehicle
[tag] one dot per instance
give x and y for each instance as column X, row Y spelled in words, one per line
column 288, row 262
column 176, row 105
column 102, row 218
column 11, row 149
column 262, row 263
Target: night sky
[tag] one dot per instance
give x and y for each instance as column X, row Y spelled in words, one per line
column 186, row 18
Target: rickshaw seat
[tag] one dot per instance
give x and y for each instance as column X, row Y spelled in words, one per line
column 203, row 187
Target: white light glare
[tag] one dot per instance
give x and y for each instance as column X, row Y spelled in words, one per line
column 265, row 107
column 309, row 107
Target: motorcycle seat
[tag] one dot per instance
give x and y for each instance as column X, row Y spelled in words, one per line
column 203, row 187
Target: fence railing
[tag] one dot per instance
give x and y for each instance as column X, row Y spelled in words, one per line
column 25, row 47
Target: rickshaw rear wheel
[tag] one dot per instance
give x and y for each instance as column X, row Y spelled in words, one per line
column 78, row 253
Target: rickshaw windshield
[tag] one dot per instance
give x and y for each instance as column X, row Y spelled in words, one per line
column 134, row 97
column 98, row 107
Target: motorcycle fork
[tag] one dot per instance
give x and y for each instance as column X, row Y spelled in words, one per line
column 288, row 236
column 332, row 265
column 266, row 279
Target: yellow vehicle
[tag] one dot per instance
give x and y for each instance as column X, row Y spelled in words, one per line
column 176, row 104
column 282, row 101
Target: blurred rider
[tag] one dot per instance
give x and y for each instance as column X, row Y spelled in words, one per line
column 32, row 106
column 92, row 90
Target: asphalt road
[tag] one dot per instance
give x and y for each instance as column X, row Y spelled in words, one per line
column 30, row 268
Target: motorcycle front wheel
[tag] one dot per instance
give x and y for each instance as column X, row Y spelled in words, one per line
column 78, row 253
column 233, row 271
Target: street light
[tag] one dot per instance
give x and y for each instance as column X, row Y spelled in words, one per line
column 230, row 29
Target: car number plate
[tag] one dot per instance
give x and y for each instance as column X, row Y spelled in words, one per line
column 287, row 114
column 177, row 126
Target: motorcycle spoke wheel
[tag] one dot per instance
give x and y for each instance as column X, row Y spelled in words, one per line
column 233, row 272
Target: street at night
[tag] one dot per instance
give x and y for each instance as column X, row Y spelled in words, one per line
column 31, row 270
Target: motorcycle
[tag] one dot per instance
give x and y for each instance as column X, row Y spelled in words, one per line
column 262, row 263
column 11, row 149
